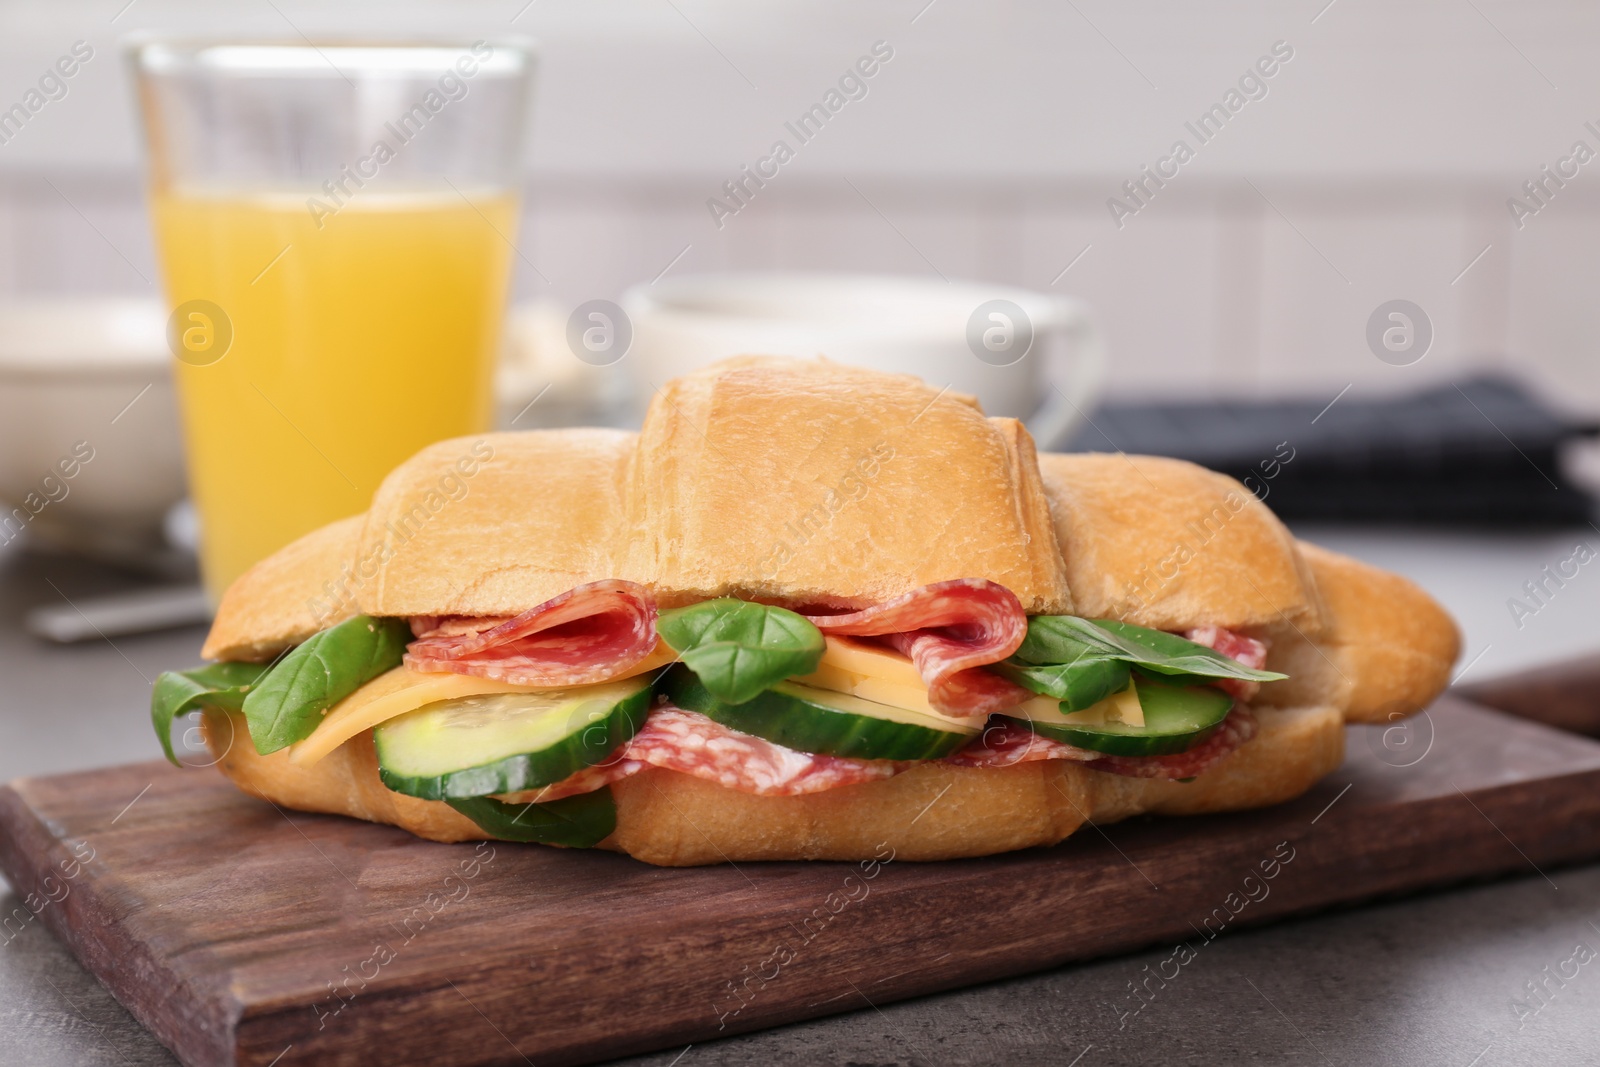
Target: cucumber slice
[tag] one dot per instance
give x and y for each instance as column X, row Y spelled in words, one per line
column 507, row 742
column 807, row 719
column 1176, row 718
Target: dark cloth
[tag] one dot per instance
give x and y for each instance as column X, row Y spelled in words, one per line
column 1482, row 452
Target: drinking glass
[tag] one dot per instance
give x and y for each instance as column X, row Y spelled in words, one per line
column 335, row 223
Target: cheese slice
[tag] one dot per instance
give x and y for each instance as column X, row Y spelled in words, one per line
column 877, row 674
column 1047, row 709
column 874, row 661
column 884, row 676
column 403, row 689
column 849, row 703
column 1123, row 707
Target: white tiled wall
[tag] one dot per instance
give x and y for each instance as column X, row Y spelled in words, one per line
column 987, row 149
column 1213, row 291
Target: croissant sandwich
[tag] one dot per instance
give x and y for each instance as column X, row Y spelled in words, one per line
column 807, row 612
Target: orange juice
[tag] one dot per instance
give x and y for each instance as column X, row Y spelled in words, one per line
column 357, row 337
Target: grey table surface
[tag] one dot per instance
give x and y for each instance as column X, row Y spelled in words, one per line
column 1429, row 979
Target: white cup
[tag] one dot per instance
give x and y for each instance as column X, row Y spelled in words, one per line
column 1033, row 356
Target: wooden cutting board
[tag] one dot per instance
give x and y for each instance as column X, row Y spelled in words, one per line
column 1565, row 695
column 244, row 935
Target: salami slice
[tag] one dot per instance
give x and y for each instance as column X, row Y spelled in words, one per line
column 1247, row 650
column 584, row 636
column 1236, row 729
column 585, row 781
column 951, row 630
column 690, row 743
column 1004, row 743
column 1007, row 743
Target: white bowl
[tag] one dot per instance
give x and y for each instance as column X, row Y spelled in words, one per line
column 541, row 383
column 911, row 325
column 91, row 457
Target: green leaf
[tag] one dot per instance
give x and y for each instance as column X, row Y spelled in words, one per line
column 286, row 705
column 1066, row 639
column 582, row 821
column 1078, row 685
column 1164, row 653
column 216, row 685
column 1063, row 639
column 738, row 649
column 1080, row 661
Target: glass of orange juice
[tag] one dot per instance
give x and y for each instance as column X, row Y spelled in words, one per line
column 335, row 224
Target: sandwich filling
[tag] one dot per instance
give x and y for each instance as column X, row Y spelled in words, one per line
column 950, row 631
column 589, row 634
column 522, row 723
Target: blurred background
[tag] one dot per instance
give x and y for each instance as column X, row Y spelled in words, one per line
column 1377, row 166
column 1366, row 286
column 1339, row 158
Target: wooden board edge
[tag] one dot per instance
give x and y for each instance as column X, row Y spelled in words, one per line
column 1564, row 694
column 1573, row 837
column 121, row 964
column 1499, row 831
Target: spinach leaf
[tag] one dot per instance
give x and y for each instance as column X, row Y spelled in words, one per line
column 582, row 821
column 738, row 649
column 1083, row 682
column 289, row 702
column 1063, row 639
column 216, row 685
column 1164, row 653
column 1081, row 661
